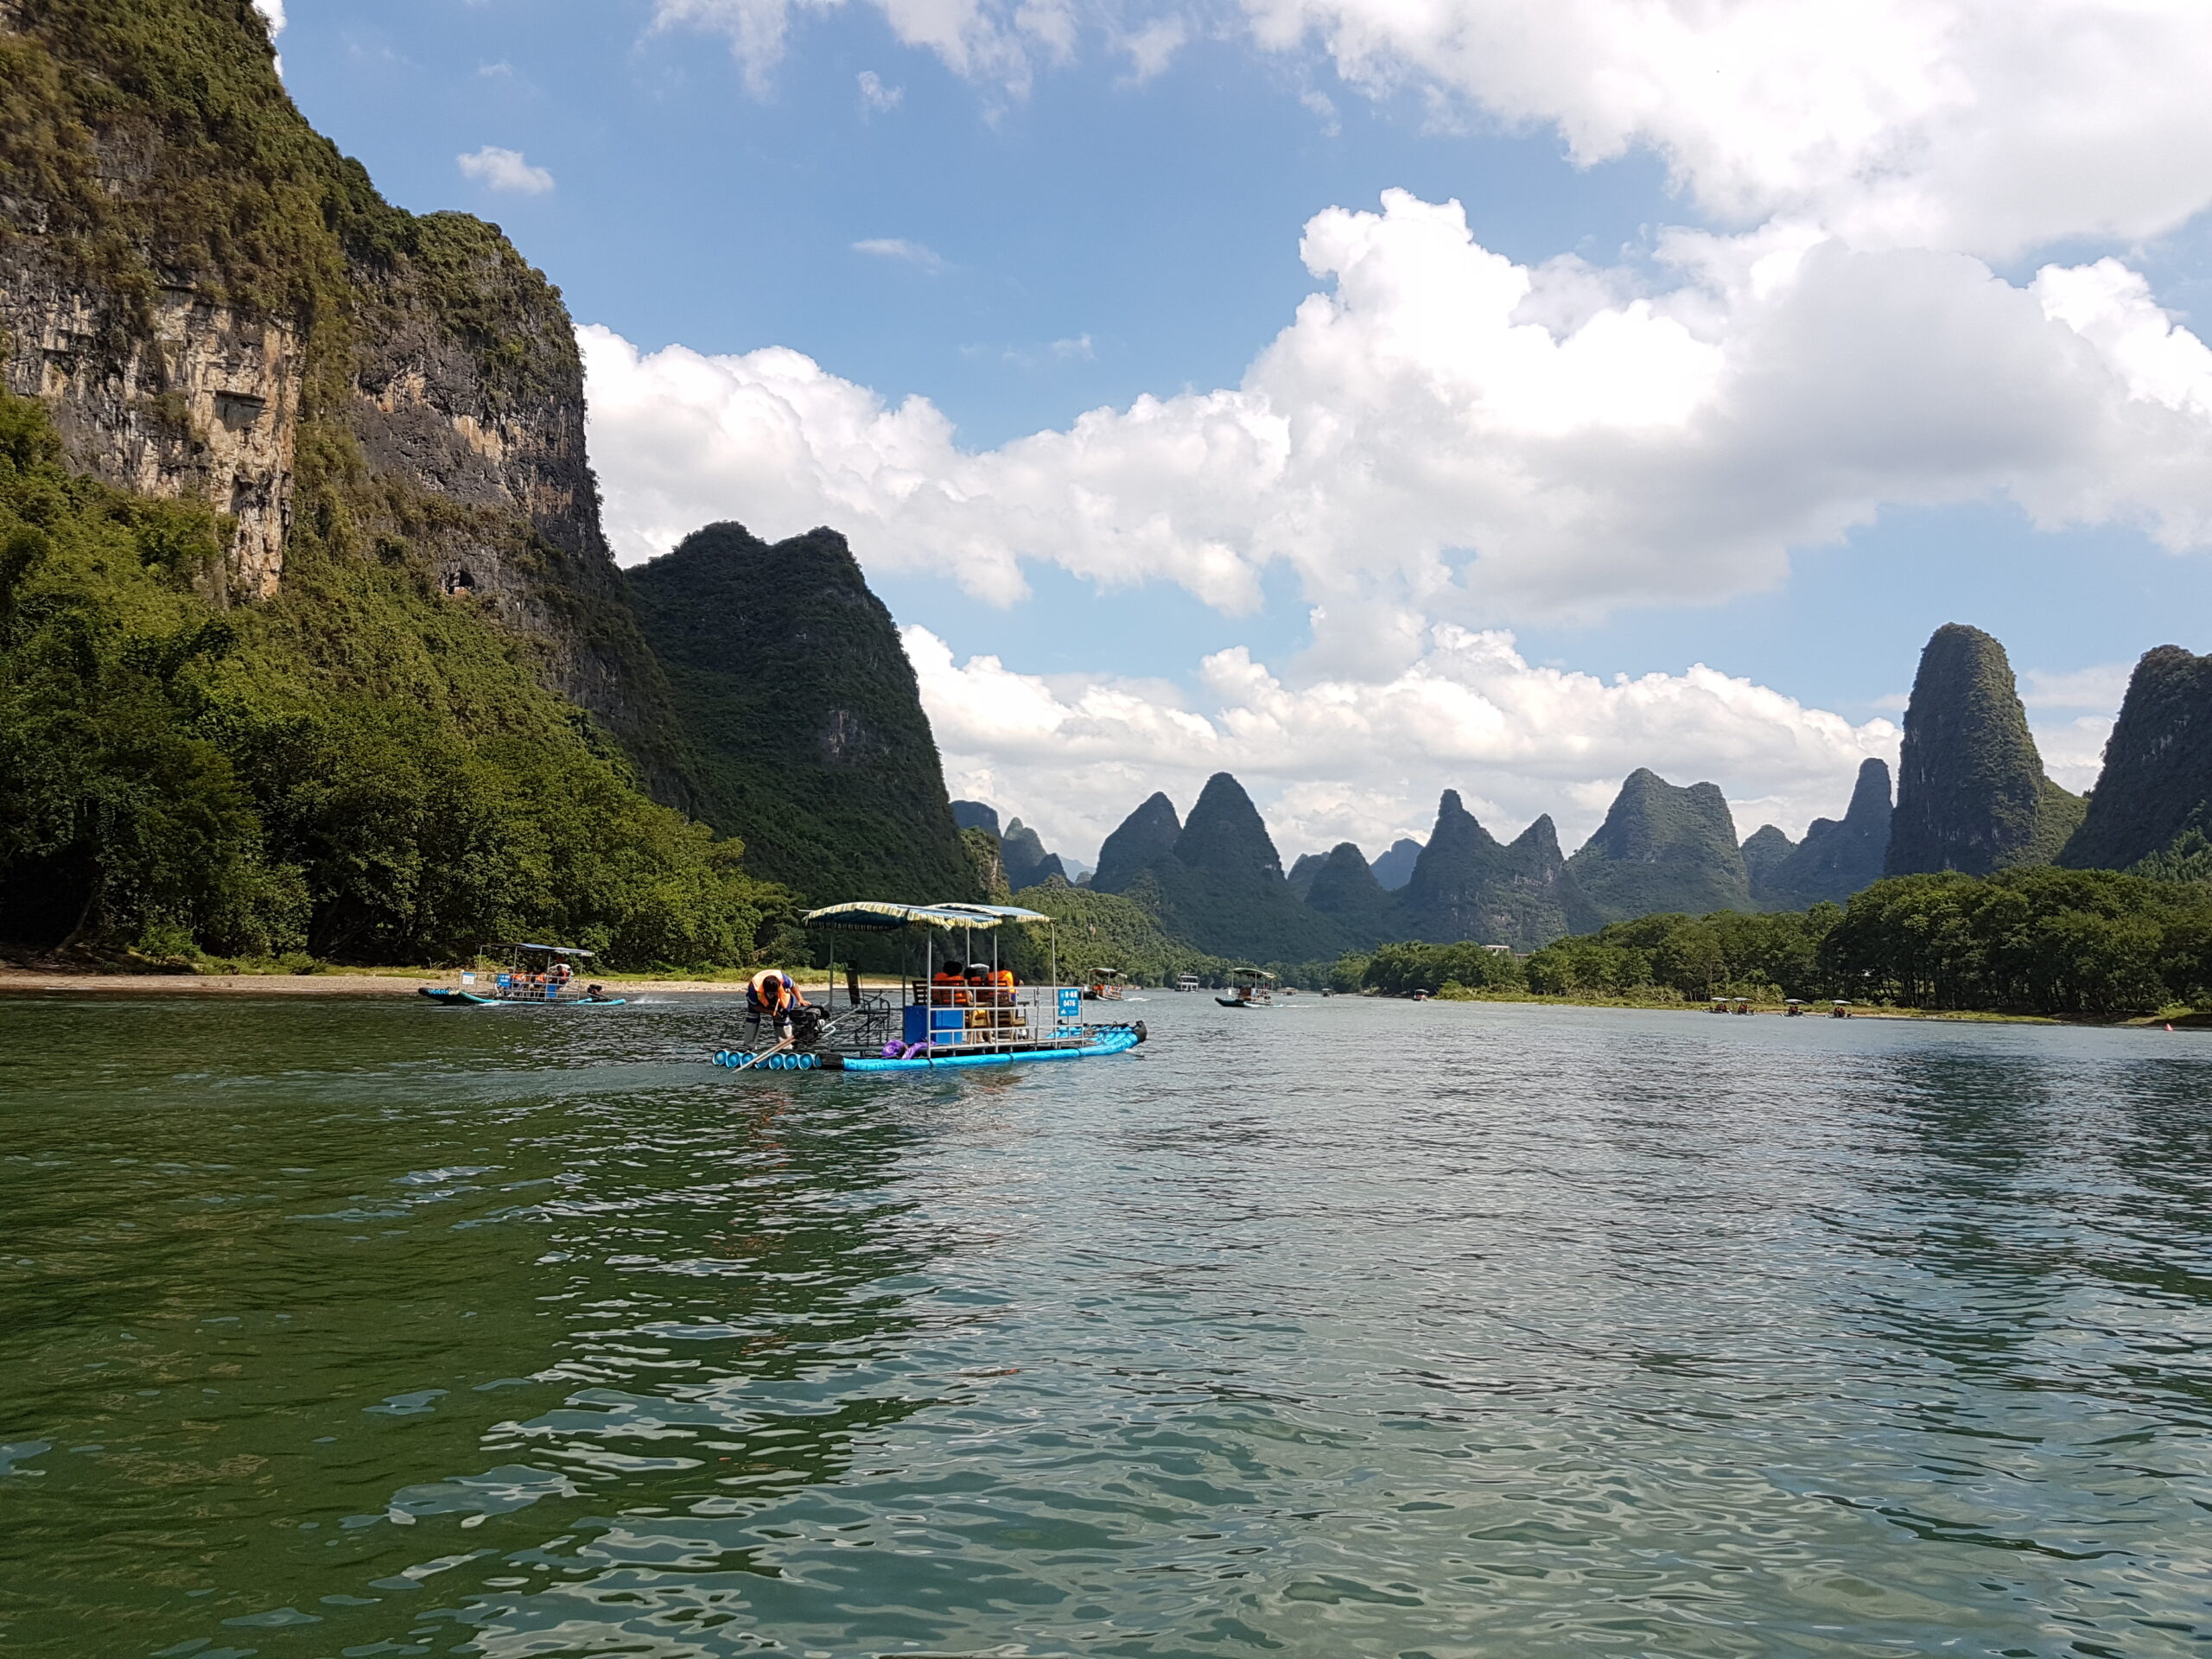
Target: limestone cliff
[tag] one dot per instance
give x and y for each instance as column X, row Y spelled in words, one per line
column 1971, row 790
column 214, row 304
column 1837, row 858
column 794, row 691
column 2153, row 799
column 1466, row 886
column 1662, row 849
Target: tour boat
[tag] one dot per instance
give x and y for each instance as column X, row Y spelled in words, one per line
column 936, row 1019
column 1105, row 986
column 536, row 975
column 1249, row 988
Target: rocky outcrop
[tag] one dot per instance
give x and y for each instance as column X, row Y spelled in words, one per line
column 1302, row 871
column 211, row 304
column 1837, row 858
column 792, row 688
column 181, row 398
column 1662, row 849
column 1146, row 836
column 1467, row 886
column 2155, row 792
column 1972, row 795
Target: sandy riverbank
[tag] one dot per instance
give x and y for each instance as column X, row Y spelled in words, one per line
column 389, row 981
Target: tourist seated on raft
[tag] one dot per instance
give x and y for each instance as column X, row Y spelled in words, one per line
column 951, row 974
column 772, row 995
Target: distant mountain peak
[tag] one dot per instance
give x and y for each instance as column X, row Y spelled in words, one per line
column 1146, row 836
column 1663, row 847
column 1972, row 795
column 1465, row 886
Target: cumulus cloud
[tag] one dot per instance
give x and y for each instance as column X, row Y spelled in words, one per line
column 1443, row 429
column 272, row 13
column 1365, row 758
column 1988, row 125
column 876, row 97
column 505, row 169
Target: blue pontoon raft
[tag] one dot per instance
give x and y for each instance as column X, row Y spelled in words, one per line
column 934, row 1023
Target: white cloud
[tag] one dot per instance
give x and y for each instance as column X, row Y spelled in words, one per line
column 877, row 98
column 898, row 248
column 2100, row 688
column 1448, row 431
column 505, row 169
column 272, row 13
column 1364, row 758
column 1988, row 125
column 1153, row 47
column 991, row 40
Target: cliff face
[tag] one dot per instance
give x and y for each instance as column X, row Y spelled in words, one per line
column 2156, row 787
column 213, row 305
column 792, row 688
column 1466, row 886
column 1971, row 790
column 1661, row 849
column 1145, row 837
column 1836, row 859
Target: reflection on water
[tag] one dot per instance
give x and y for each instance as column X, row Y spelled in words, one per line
column 367, row 1329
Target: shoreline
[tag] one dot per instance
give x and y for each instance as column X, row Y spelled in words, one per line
column 360, row 981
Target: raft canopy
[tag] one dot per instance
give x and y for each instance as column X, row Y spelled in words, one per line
column 549, row 950
column 882, row 916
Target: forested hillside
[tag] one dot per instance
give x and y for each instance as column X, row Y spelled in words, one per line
column 790, row 682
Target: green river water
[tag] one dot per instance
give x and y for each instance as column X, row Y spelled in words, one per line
column 361, row 1327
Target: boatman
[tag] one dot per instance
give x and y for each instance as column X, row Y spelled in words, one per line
column 772, row 995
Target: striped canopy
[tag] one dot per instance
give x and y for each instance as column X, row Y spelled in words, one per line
column 881, row 916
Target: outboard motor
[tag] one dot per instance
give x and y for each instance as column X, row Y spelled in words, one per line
column 806, row 1027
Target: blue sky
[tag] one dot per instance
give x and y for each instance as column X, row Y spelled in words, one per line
column 1019, row 246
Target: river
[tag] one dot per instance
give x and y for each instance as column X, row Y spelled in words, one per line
column 360, row 1327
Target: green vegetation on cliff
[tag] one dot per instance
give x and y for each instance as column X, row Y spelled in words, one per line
column 2153, row 800
column 1222, row 888
column 1466, row 886
column 1971, row 790
column 1660, row 849
column 359, row 769
column 1344, row 889
column 1837, row 858
column 791, row 684
column 1103, row 930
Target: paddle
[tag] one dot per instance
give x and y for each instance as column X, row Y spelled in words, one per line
column 764, row 1054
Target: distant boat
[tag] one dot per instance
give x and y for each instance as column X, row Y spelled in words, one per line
column 1105, row 986
column 1249, row 988
column 535, row 975
column 954, row 1012
column 1187, row 982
